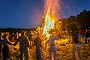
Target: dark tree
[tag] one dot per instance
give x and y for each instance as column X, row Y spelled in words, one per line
column 70, row 23
column 84, row 19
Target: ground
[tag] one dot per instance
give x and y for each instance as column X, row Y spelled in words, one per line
column 64, row 52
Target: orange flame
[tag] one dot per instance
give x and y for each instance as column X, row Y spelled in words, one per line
column 51, row 15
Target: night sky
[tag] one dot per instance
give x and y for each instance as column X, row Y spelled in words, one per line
column 28, row 13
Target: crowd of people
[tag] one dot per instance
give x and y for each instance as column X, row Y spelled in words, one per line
column 6, row 39
column 27, row 40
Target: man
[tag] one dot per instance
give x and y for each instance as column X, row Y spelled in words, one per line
column 5, row 50
column 1, row 38
column 0, row 45
column 52, row 47
column 76, row 47
column 87, row 36
column 37, row 43
column 23, row 45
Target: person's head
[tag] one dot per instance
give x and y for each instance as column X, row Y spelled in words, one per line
column 37, row 33
column 7, row 33
column 87, row 30
column 12, row 33
column 7, row 36
column 2, row 34
column 22, row 33
column 32, row 32
column 16, row 33
column 19, row 34
column 25, row 32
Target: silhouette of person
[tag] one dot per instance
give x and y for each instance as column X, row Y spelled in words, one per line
column 87, row 34
column 23, row 42
column 76, row 47
column 0, row 45
column 16, row 36
column 5, row 50
column 29, row 35
column 52, row 47
column 37, row 43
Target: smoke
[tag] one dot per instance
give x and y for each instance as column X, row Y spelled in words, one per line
column 36, row 17
column 53, row 6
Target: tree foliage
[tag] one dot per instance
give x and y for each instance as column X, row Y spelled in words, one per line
column 84, row 19
column 75, row 22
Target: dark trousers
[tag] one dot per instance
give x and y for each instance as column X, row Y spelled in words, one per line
column 85, row 41
column 5, row 52
column 23, row 51
column 38, row 53
column 0, row 49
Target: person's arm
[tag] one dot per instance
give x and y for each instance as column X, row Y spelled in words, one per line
column 56, row 37
column 28, row 45
column 0, row 40
column 8, row 42
column 16, row 42
column 47, row 42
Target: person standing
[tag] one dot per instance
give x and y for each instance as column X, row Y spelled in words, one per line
column 0, row 45
column 5, row 49
column 23, row 43
column 37, row 43
column 76, row 47
column 52, row 47
column 87, row 34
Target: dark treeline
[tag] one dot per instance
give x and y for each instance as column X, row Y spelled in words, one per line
column 79, row 22
column 14, row 30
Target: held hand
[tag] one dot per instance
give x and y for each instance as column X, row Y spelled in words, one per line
column 30, row 47
column 14, row 44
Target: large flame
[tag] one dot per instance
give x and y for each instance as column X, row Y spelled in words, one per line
column 51, row 15
column 49, row 24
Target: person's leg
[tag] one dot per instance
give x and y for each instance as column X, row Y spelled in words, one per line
column 26, row 53
column 0, row 49
column 78, row 51
column 88, row 39
column 85, row 40
column 8, row 53
column 50, row 55
column 4, row 56
column 4, row 53
column 54, row 55
column 73, row 51
column 38, row 54
column 21, row 54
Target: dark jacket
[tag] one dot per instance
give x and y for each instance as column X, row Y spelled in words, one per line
column 23, row 42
